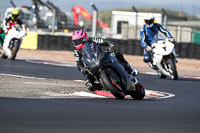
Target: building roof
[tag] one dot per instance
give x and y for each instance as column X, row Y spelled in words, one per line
column 185, row 23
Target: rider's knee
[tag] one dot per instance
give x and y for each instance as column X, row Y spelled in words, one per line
column 147, row 59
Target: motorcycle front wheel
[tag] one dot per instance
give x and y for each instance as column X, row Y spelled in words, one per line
column 109, row 84
column 15, row 49
column 172, row 69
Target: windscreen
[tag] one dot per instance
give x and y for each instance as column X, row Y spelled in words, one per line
column 157, row 38
column 91, row 53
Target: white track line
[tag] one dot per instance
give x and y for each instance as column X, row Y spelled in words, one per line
column 51, row 84
column 67, row 64
column 149, row 73
column 76, row 94
column 19, row 76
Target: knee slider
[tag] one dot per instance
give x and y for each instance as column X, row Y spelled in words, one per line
column 147, row 59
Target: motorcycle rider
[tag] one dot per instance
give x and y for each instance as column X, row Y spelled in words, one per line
column 79, row 39
column 11, row 20
column 149, row 32
column 1, row 36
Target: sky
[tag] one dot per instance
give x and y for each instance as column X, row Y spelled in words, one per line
column 191, row 7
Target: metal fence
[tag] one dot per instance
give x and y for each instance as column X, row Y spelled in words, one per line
column 61, row 22
column 130, row 47
column 49, row 21
column 1, row 17
column 180, row 33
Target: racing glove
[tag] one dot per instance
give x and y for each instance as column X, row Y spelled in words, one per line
column 148, row 48
column 98, row 40
column 88, row 84
column 76, row 55
column 83, row 71
column 171, row 39
column 112, row 47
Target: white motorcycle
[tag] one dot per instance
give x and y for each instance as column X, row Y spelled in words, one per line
column 164, row 58
column 13, row 41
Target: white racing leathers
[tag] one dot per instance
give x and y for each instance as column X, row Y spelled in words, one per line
column 16, row 32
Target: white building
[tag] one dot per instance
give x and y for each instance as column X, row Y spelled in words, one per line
column 124, row 24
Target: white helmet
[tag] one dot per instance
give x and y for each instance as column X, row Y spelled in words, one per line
column 149, row 19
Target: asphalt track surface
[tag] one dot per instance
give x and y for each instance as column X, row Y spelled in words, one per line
column 179, row 114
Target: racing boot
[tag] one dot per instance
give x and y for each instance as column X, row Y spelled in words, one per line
column 2, row 53
column 131, row 71
column 91, row 84
column 152, row 66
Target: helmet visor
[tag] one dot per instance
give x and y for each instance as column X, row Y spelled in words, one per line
column 78, row 42
column 15, row 16
column 149, row 22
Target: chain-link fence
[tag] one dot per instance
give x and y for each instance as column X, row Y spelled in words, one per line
column 53, row 21
column 184, row 33
column 1, row 17
column 46, row 20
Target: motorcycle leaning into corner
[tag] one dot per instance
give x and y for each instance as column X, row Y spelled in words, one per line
column 13, row 41
column 163, row 57
column 110, row 74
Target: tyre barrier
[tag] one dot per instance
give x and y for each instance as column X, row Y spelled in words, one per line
column 130, row 47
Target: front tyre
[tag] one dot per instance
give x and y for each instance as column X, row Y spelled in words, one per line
column 172, row 69
column 109, row 84
column 15, row 49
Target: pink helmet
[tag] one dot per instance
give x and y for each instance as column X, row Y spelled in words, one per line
column 79, row 38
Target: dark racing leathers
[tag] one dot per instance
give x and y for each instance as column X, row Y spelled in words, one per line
column 1, row 37
column 89, row 78
column 148, row 34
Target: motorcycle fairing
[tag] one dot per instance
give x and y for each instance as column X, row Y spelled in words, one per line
column 96, row 60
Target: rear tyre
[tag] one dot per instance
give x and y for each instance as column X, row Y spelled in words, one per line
column 139, row 93
column 172, row 69
column 3, row 54
column 107, row 83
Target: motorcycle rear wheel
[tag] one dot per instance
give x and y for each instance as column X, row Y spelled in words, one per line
column 4, row 56
column 107, row 83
